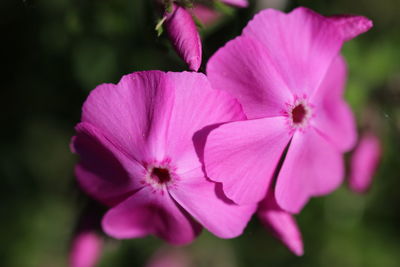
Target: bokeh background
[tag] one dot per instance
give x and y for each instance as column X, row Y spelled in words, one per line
column 55, row 51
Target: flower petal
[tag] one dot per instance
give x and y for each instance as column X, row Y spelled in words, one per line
column 147, row 212
column 132, row 114
column 195, row 106
column 244, row 68
column 312, row 167
column 184, row 36
column 301, row 44
column 104, row 172
column 206, row 202
column 350, row 25
column 281, row 223
column 243, row 156
column 364, row 163
column 333, row 116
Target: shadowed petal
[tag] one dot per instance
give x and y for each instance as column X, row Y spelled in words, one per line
column 364, row 163
column 184, row 36
column 148, row 212
column 104, row 172
column 245, row 69
column 333, row 117
column 281, row 223
column 243, row 156
column 206, row 202
column 312, row 167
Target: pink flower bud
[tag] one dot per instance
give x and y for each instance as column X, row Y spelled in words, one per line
column 184, row 36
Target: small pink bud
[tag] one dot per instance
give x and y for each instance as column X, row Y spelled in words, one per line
column 184, row 36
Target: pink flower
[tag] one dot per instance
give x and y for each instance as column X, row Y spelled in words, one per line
column 286, row 72
column 184, row 36
column 137, row 156
column 85, row 249
column 281, row 223
column 364, row 163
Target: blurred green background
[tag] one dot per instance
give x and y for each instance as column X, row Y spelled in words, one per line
column 55, row 51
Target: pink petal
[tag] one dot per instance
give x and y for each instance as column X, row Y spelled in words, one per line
column 132, row 114
column 104, row 172
column 196, row 105
column 364, row 163
column 312, row 167
column 238, row 3
column 244, row 68
column 147, row 212
column 333, row 116
column 281, row 223
column 184, row 36
column 206, row 15
column 243, row 156
column 85, row 250
column 350, row 26
column 301, row 45
column 206, row 202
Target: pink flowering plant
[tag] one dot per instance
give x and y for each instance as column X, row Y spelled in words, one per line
column 262, row 132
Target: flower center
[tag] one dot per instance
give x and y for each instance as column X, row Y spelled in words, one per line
column 299, row 114
column 160, row 175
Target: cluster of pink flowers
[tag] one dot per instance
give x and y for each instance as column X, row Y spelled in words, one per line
column 262, row 132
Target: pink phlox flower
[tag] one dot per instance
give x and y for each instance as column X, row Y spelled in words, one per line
column 281, row 224
column 137, row 156
column 364, row 162
column 286, row 71
column 183, row 33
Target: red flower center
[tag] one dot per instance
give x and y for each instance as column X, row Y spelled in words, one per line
column 299, row 114
column 160, row 175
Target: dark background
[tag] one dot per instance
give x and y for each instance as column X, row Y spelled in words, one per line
column 53, row 52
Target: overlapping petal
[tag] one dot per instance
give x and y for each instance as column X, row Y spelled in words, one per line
column 243, row 156
column 312, row 167
column 333, row 117
column 245, row 69
column 146, row 213
column 195, row 106
column 206, row 202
